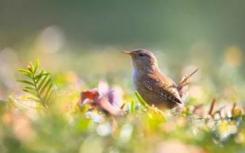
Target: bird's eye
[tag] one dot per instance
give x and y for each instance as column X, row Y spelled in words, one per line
column 141, row 54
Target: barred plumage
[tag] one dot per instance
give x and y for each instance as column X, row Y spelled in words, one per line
column 155, row 87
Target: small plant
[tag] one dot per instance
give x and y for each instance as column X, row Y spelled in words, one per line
column 141, row 100
column 151, row 109
column 37, row 83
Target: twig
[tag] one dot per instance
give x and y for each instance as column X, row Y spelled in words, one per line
column 211, row 109
column 233, row 107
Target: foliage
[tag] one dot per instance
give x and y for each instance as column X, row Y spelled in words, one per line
column 37, row 83
column 67, row 127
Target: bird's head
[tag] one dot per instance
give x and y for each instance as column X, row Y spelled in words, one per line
column 142, row 59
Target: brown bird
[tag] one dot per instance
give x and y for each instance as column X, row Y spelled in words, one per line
column 155, row 88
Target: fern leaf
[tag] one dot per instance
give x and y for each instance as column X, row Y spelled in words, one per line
column 29, row 88
column 47, row 86
column 34, row 98
column 40, row 81
column 27, row 82
column 37, row 83
column 31, row 92
column 48, row 90
column 36, row 65
column 24, row 71
column 40, row 75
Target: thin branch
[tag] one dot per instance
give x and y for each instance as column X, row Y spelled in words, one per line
column 211, row 109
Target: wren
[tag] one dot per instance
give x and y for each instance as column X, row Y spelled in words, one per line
column 154, row 87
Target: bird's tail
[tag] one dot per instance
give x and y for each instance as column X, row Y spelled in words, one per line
column 184, row 82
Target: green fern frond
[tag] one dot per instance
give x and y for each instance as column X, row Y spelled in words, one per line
column 37, row 83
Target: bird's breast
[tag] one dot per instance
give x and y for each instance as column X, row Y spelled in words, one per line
column 137, row 75
column 134, row 76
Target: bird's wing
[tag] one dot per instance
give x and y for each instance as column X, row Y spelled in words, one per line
column 164, row 87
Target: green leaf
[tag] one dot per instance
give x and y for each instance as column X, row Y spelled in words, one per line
column 141, row 100
column 48, row 89
column 41, row 82
column 36, row 66
column 25, row 71
column 132, row 107
column 44, row 83
column 31, row 92
column 40, row 75
column 34, row 98
column 38, row 83
column 27, row 82
column 29, row 88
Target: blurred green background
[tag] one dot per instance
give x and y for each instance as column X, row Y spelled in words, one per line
column 160, row 23
column 86, row 37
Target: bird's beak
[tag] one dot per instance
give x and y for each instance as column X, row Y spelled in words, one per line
column 128, row 52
